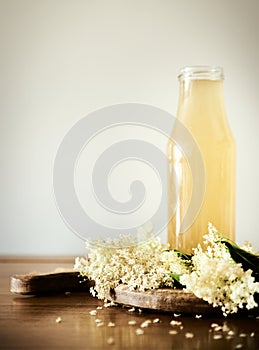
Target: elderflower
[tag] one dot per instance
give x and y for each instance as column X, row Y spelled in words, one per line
column 143, row 266
column 217, row 279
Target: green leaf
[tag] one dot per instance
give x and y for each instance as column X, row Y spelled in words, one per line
column 247, row 259
column 183, row 255
column 176, row 279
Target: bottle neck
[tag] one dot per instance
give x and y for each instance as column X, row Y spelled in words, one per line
column 201, row 96
column 201, row 73
column 201, row 91
column 202, row 110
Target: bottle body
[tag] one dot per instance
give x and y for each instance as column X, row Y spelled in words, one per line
column 202, row 111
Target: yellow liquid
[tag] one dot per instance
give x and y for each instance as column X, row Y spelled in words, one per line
column 201, row 109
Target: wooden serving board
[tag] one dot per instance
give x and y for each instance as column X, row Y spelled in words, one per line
column 163, row 299
column 48, row 283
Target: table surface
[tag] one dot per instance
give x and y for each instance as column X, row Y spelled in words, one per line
column 30, row 322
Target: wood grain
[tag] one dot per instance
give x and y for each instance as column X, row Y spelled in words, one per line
column 166, row 300
column 34, row 284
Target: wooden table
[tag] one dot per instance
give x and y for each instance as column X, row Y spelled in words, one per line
column 30, row 322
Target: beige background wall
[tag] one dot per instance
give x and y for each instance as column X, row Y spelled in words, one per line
column 62, row 59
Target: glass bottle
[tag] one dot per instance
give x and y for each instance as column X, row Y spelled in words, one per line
column 201, row 109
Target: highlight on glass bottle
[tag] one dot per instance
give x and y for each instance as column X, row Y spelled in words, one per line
column 201, row 109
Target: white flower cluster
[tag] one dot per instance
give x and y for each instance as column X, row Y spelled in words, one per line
column 216, row 278
column 211, row 275
column 144, row 266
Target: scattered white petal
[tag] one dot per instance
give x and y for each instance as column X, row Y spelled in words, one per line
column 110, row 304
column 132, row 323
column 110, row 341
column 99, row 308
column 217, row 336
column 175, row 323
column 173, row 331
column 58, row 320
column 238, row 346
column 198, row 316
column 131, row 310
column 189, row 335
column 218, row 328
column 139, row 331
column 111, row 324
column 145, row 323
column 67, row 293
column 231, row 332
column 252, row 334
column 242, row 335
column 213, row 325
column 177, row 315
column 97, row 320
column 148, row 321
column 140, row 311
column 100, row 324
column 156, row 320
column 93, row 312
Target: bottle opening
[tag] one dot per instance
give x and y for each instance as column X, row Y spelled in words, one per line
column 201, row 73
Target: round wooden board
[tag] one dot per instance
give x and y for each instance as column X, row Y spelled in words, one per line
column 163, row 299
